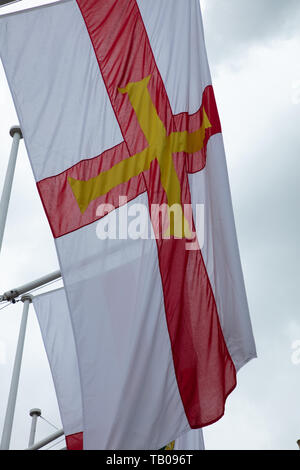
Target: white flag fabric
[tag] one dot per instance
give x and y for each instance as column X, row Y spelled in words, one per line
column 119, row 117
column 52, row 312
column 55, row 324
column 192, row 440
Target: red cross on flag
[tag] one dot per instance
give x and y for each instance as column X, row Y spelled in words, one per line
column 60, row 347
column 121, row 126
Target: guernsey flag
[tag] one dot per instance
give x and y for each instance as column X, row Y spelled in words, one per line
column 121, row 126
column 55, row 324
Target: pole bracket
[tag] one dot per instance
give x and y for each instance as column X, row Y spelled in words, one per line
column 16, row 129
column 27, row 297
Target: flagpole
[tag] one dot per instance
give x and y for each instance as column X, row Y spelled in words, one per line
column 47, row 440
column 16, row 134
column 34, row 413
column 11, row 404
column 11, row 294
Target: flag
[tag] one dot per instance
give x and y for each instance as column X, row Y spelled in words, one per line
column 192, row 440
column 55, row 324
column 121, row 126
column 52, row 312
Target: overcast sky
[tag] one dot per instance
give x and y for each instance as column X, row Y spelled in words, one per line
column 253, row 49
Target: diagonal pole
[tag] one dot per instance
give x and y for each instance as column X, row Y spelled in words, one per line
column 11, row 404
column 16, row 134
column 47, row 440
column 11, row 294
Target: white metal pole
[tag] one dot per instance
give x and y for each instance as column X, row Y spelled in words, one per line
column 47, row 440
column 11, row 404
column 34, row 413
column 13, row 293
column 16, row 134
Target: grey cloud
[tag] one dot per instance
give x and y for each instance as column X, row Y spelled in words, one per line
column 234, row 25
